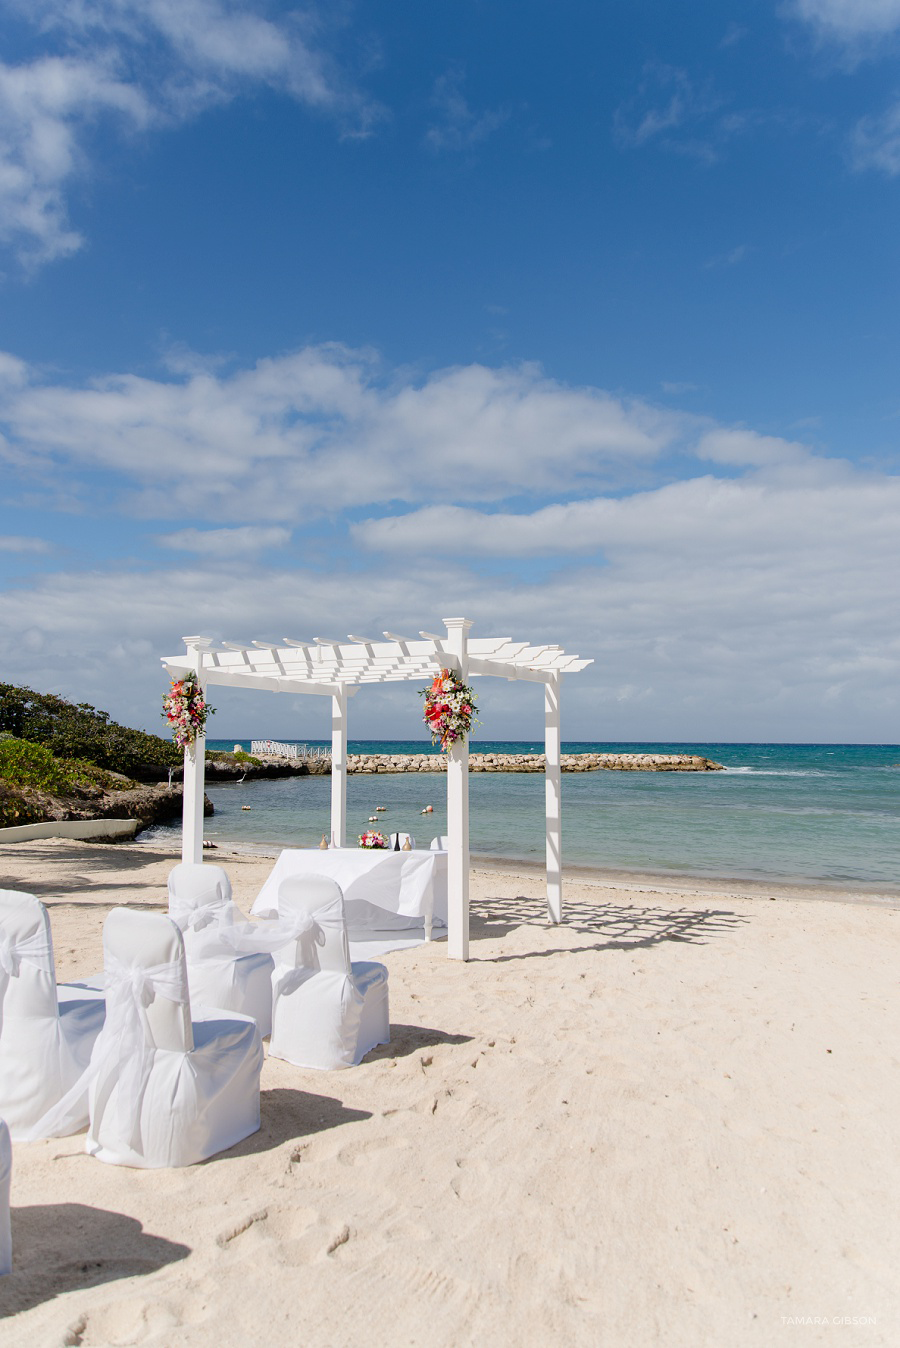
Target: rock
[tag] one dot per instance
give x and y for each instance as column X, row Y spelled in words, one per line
column 148, row 804
column 392, row 763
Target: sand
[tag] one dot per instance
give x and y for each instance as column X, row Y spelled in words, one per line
column 670, row 1121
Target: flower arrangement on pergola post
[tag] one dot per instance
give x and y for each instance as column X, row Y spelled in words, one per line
column 334, row 669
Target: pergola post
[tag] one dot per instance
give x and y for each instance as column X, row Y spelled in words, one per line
column 458, row 811
column 339, row 768
column 194, row 767
column 553, row 795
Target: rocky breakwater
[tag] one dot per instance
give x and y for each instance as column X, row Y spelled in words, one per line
column 222, row 767
column 374, row 763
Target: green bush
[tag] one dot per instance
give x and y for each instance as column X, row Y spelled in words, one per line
column 80, row 731
column 241, row 756
column 16, row 808
column 26, row 764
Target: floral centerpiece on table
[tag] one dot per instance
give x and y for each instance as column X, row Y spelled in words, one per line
column 450, row 708
column 186, row 709
column 372, row 839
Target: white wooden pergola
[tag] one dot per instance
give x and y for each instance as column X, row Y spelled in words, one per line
column 334, row 669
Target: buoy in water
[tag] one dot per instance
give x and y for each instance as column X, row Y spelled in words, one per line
column 380, row 808
column 246, row 807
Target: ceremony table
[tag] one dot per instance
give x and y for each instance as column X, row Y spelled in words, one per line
column 384, row 891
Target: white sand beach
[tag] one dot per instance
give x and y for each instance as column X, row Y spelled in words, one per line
column 670, row 1121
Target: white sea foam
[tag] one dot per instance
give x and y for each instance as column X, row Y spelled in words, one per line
column 782, row 772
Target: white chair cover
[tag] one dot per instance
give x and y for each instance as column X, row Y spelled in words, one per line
column 47, row 1031
column 165, row 1090
column 5, row 1172
column 441, row 843
column 226, row 967
column 327, row 1013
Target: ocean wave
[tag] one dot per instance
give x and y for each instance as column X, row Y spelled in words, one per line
column 782, row 772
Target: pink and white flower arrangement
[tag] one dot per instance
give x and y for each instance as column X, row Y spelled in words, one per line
column 450, row 708
column 372, row 839
column 186, row 709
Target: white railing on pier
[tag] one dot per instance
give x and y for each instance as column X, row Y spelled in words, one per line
column 275, row 749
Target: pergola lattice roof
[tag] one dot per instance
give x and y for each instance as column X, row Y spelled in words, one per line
column 324, row 666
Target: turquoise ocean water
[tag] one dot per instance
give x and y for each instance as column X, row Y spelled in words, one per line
column 822, row 812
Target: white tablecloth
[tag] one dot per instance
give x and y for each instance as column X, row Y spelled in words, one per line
column 383, row 891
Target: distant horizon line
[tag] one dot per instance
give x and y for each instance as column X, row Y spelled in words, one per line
column 373, row 739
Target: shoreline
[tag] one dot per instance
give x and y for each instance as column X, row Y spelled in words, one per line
column 663, row 882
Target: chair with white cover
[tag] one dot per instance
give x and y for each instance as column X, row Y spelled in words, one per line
column 47, row 1030
column 441, row 843
column 403, row 838
column 5, row 1172
column 165, row 1089
column 327, row 1013
column 224, row 971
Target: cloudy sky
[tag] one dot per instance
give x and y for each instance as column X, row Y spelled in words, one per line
column 579, row 319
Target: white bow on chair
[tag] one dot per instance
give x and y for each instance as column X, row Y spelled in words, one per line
column 124, row 1047
column 34, row 949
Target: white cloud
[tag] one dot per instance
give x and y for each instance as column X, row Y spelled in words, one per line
column 757, row 598
column 734, row 33
column 321, row 428
column 240, row 542
column 43, row 107
column 850, row 18
column 762, row 520
column 458, row 126
column 673, row 111
column 199, row 50
column 17, row 543
column 748, row 448
column 729, row 259
column 875, row 143
column 13, row 372
column 862, row 28
column 137, row 64
column 672, row 100
column 720, row 611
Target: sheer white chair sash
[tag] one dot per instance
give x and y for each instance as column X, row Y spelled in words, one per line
column 187, row 915
column 251, row 938
column 124, row 1048
column 34, row 949
column 312, row 926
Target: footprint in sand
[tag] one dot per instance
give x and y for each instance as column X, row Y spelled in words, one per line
column 470, row 1179
column 435, row 1285
column 231, row 1233
column 293, row 1223
column 360, row 1153
column 130, row 1320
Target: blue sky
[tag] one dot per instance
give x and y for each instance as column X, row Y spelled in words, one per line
column 579, row 319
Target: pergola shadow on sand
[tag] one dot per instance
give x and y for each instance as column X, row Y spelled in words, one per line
column 332, row 669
